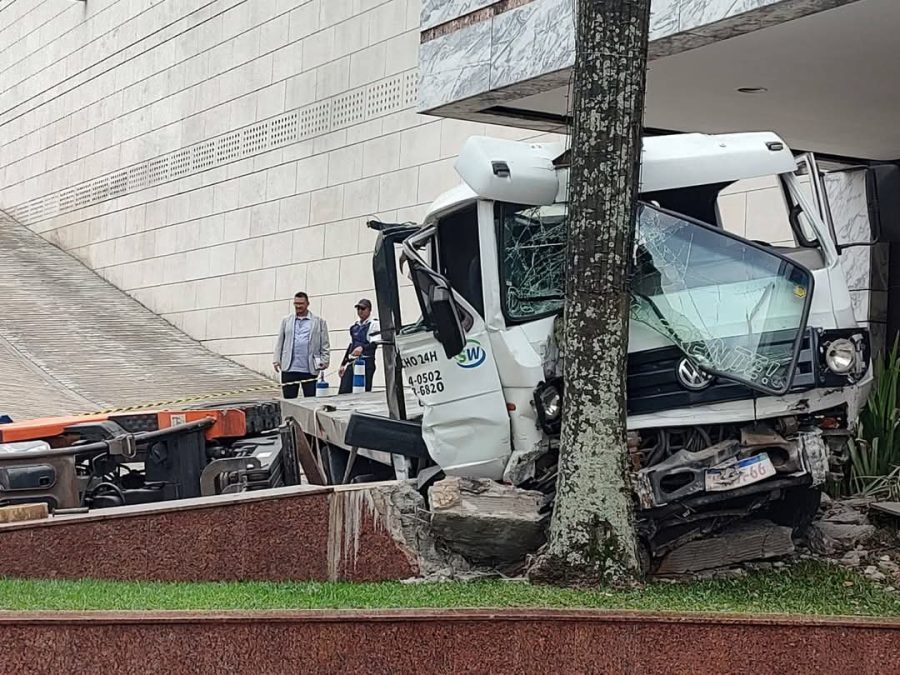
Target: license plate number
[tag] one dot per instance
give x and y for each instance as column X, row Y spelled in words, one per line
column 740, row 473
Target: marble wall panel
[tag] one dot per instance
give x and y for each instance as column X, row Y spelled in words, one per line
column 535, row 39
column 538, row 38
column 455, row 66
column 866, row 268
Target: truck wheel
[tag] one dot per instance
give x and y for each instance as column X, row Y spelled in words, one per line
column 797, row 508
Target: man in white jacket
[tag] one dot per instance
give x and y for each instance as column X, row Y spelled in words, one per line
column 302, row 349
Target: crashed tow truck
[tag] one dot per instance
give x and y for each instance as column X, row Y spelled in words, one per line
column 746, row 368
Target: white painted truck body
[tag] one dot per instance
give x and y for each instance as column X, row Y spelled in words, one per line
column 479, row 417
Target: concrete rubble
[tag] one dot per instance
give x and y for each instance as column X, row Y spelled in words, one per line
column 882, row 565
column 842, row 534
column 490, row 526
column 845, row 533
column 744, row 541
column 486, row 522
column 842, row 526
column 399, row 509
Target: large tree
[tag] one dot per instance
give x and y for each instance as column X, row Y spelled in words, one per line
column 592, row 534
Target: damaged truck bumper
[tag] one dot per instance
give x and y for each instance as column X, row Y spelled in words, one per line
column 760, row 457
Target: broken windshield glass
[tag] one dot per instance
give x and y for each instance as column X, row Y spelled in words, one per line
column 736, row 309
column 533, row 240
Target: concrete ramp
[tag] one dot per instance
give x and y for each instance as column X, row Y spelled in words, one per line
column 71, row 342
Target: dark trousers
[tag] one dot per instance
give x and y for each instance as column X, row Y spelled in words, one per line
column 347, row 378
column 291, row 390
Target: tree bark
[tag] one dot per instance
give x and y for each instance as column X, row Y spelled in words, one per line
column 592, row 533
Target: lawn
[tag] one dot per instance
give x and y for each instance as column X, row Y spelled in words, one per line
column 807, row 588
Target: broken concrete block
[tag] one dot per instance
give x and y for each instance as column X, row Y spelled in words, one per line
column 826, row 537
column 357, row 512
column 871, row 572
column 858, row 502
column 888, row 566
column 751, row 540
column 486, row 522
column 847, row 516
column 851, row 559
column 22, row 512
column 890, row 508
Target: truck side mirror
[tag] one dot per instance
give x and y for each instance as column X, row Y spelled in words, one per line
column 883, row 197
column 444, row 316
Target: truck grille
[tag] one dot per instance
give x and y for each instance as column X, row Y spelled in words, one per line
column 653, row 384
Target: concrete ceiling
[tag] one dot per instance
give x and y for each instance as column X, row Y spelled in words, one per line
column 833, row 82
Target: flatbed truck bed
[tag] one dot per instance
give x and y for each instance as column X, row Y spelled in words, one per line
column 326, row 418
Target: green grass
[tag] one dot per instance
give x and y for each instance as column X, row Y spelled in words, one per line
column 808, row 588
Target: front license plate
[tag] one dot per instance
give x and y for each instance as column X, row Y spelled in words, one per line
column 740, row 473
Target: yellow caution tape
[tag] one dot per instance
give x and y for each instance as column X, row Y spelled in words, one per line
column 185, row 399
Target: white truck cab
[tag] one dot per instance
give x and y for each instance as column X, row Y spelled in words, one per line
column 746, row 365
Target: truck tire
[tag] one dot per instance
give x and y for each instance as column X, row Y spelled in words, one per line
column 797, row 508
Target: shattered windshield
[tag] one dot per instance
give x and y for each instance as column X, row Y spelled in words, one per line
column 736, row 309
column 533, row 250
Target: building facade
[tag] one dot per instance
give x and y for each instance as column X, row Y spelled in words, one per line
column 212, row 157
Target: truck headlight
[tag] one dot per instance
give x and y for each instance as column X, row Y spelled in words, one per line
column 551, row 402
column 840, row 356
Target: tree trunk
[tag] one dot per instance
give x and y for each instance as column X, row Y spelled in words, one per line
column 592, row 534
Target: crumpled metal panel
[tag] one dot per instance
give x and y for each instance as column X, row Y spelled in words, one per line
column 689, row 467
column 684, row 473
column 815, row 455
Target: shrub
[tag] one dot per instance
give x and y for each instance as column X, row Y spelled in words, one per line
column 875, row 455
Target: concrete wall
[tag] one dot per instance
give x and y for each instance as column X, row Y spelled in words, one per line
column 212, row 157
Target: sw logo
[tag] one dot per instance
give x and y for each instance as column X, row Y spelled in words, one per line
column 472, row 356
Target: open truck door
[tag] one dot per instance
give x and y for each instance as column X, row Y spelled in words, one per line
column 448, row 363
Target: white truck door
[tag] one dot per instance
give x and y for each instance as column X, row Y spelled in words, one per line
column 465, row 423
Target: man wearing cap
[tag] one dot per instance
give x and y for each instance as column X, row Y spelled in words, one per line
column 362, row 336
